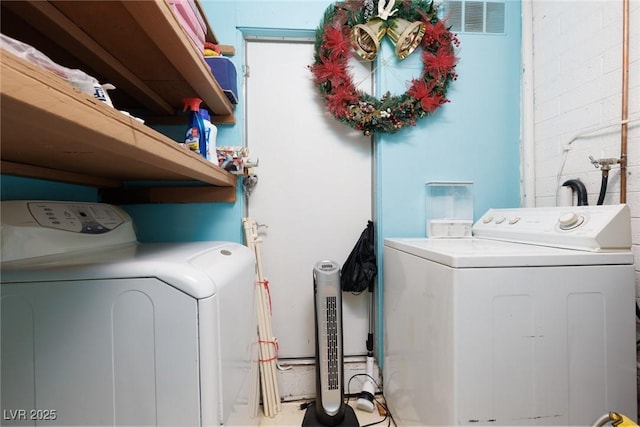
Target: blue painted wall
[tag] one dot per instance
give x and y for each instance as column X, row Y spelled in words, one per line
column 16, row 188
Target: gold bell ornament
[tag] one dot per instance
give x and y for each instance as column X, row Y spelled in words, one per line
column 365, row 38
column 406, row 36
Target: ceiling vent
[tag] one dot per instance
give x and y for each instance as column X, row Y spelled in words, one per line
column 463, row 16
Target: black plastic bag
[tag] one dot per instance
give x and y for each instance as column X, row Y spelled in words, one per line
column 360, row 270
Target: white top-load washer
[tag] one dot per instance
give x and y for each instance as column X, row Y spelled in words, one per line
column 98, row 329
column 530, row 322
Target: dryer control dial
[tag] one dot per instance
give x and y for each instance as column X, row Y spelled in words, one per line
column 570, row 220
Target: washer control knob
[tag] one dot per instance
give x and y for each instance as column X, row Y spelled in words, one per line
column 514, row 220
column 569, row 220
column 487, row 219
column 500, row 220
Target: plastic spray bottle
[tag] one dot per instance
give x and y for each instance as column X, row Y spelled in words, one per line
column 195, row 136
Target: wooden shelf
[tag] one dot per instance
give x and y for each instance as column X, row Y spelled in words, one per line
column 50, row 130
column 138, row 46
column 53, row 131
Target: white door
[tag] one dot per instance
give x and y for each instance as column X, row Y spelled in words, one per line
column 314, row 190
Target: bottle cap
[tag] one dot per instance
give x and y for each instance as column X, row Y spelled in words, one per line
column 205, row 114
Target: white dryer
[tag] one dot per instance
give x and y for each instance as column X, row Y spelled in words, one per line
column 530, row 322
column 98, row 329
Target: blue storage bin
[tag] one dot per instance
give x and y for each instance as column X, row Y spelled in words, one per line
column 225, row 73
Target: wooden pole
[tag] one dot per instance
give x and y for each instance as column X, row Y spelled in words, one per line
column 267, row 342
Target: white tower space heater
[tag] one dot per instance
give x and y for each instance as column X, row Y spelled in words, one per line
column 329, row 408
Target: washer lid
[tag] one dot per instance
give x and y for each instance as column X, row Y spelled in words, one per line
column 199, row 269
column 478, row 253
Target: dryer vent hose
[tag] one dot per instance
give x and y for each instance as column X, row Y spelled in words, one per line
column 578, row 187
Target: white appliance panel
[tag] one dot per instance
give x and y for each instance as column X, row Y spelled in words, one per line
column 552, row 345
column 418, row 378
column 507, row 345
column 233, row 326
column 101, row 352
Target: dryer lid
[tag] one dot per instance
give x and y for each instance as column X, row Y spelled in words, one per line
column 199, row 269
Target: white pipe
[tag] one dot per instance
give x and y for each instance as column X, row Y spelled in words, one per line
column 527, row 156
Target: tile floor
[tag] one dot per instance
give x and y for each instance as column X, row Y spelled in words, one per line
column 292, row 415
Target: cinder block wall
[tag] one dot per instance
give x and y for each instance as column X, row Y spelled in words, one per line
column 577, row 84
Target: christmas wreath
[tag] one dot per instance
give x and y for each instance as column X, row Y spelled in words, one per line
column 350, row 24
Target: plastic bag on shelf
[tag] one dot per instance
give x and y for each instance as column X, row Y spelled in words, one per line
column 234, row 159
column 78, row 78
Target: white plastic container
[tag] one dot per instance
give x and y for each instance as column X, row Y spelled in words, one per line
column 449, row 209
